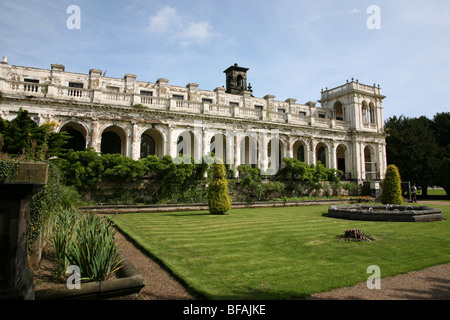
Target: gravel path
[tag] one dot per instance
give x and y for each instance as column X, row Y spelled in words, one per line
column 159, row 284
column 429, row 284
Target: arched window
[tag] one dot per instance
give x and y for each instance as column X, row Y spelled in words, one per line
column 338, row 111
column 371, row 113
column 321, row 154
column 365, row 112
column 147, row 146
column 77, row 140
column 341, row 151
column 111, row 143
column 301, row 153
column 370, row 164
column 113, row 140
column 240, row 82
column 186, row 144
column 218, row 146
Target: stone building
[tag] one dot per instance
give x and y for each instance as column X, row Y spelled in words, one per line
column 137, row 119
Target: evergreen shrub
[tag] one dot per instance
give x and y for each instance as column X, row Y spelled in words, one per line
column 392, row 190
column 218, row 199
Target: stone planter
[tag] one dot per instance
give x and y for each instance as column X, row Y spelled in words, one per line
column 127, row 286
column 16, row 279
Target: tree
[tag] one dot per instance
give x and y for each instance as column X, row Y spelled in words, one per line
column 23, row 136
column 392, row 190
column 441, row 126
column 82, row 169
column 411, row 145
column 218, row 199
column 444, row 177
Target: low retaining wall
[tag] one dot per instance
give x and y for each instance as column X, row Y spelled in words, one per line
column 204, row 206
column 126, row 286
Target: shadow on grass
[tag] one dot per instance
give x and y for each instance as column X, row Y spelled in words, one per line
column 184, row 214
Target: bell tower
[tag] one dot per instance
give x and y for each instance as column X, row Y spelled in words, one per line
column 236, row 78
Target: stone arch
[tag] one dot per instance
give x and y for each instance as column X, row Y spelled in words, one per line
column 151, row 143
column 78, row 135
column 219, row 145
column 113, row 140
column 188, row 144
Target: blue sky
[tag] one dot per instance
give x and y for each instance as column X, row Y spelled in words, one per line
column 293, row 48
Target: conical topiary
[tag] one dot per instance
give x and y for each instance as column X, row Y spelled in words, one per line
column 218, row 199
column 392, row 190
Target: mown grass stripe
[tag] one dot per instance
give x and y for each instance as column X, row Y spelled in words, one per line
column 282, row 253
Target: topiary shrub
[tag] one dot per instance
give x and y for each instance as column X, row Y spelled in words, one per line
column 392, row 190
column 218, row 199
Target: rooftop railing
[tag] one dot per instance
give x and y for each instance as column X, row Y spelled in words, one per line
column 349, row 86
column 146, row 102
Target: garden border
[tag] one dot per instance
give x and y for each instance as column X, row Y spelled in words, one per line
column 204, row 206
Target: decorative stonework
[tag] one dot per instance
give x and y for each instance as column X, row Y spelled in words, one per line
column 350, row 117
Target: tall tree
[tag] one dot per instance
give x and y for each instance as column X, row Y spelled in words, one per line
column 441, row 126
column 411, row 145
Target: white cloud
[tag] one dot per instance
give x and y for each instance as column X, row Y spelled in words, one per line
column 198, row 33
column 168, row 20
column 353, row 11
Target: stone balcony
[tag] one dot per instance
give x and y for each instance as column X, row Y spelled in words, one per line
column 351, row 86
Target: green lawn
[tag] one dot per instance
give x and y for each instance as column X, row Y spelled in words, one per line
column 282, row 253
column 433, row 192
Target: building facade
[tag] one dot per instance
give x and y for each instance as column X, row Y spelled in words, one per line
column 137, row 119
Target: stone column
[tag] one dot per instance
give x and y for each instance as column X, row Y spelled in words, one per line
column 172, row 142
column 312, row 151
column 332, row 156
column 135, row 142
column 95, row 144
column 262, row 151
column 237, row 153
column 290, row 147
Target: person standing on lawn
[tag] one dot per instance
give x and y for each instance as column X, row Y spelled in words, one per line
column 414, row 193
